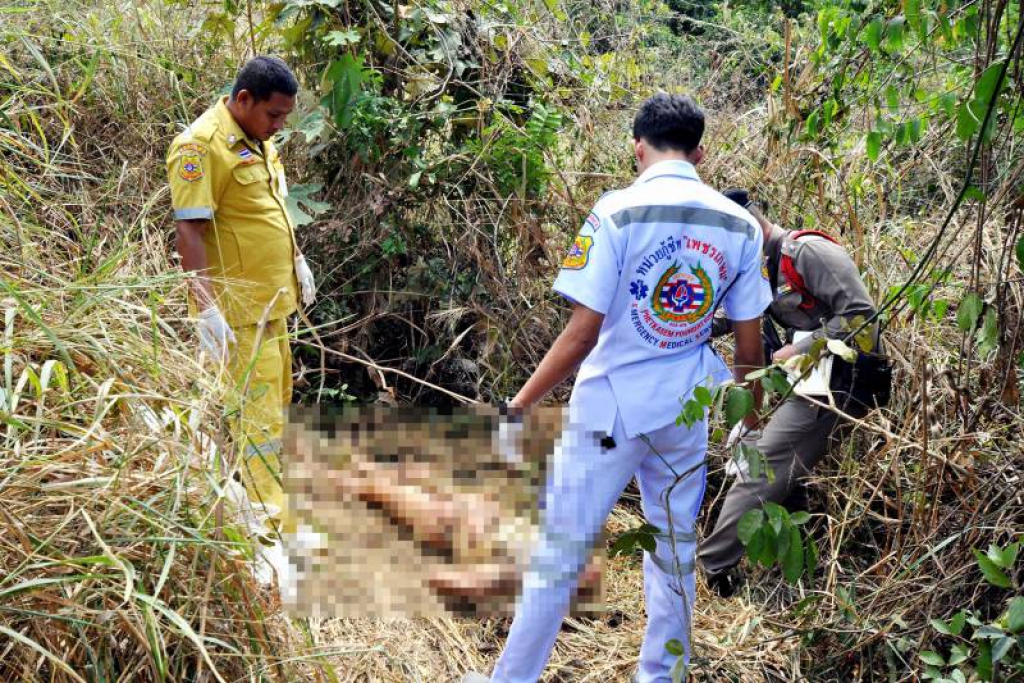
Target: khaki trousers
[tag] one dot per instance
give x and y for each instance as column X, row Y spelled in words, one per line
column 794, row 440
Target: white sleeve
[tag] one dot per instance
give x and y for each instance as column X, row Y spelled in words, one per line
column 590, row 271
column 749, row 294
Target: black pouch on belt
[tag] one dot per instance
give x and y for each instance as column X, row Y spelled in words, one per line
column 864, row 384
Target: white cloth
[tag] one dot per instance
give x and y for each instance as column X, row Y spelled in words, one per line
column 215, row 334
column 739, row 463
column 305, row 277
column 657, row 259
column 584, row 483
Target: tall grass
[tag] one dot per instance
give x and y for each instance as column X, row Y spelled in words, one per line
column 117, row 559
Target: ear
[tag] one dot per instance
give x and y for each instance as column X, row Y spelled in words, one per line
column 697, row 155
column 243, row 98
column 640, row 150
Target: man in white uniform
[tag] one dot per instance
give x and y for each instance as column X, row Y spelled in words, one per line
column 645, row 274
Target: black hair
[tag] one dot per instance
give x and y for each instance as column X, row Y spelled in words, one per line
column 738, row 195
column 670, row 122
column 263, row 76
column 742, row 197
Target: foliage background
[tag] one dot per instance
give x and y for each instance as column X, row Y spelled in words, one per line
column 443, row 154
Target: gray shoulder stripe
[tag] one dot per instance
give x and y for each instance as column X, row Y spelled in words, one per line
column 691, row 215
column 197, row 214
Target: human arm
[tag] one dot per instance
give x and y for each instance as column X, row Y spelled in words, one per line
column 570, row 348
column 214, row 332
column 831, row 276
column 189, row 243
column 748, row 357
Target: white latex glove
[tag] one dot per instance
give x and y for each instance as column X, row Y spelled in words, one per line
column 739, row 465
column 215, row 334
column 305, row 277
column 510, row 436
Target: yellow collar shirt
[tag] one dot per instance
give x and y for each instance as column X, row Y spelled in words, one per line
column 216, row 173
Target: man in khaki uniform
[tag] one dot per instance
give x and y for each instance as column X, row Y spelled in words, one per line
column 816, row 288
column 236, row 238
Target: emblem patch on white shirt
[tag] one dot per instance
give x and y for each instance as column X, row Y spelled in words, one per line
column 579, row 253
column 672, row 304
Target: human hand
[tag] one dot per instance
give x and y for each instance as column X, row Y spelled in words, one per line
column 784, row 354
column 215, row 334
column 306, row 282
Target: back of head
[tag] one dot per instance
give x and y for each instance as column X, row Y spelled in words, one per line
column 263, row 76
column 670, row 122
column 742, row 197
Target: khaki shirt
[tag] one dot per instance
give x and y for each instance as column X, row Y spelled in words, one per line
column 832, row 278
column 218, row 174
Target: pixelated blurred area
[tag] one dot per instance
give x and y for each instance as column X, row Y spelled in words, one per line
column 406, row 512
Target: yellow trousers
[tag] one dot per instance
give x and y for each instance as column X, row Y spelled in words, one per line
column 260, row 372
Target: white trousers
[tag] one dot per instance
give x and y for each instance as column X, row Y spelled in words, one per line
column 584, row 484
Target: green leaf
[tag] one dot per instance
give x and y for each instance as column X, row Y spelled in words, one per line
column 892, row 98
column 777, row 515
column 749, row 523
column 770, row 547
column 839, row 348
column 894, row 33
column 679, row 671
column 738, row 404
column 912, row 10
column 1020, row 252
column 346, row 77
column 756, row 544
column 983, row 661
column 988, row 336
column 956, row 624
column 799, row 518
column 958, row 654
column 312, row 126
column 941, row 626
column 988, row 632
column 814, row 123
column 985, row 90
column 647, row 541
column 932, row 657
column 993, row 574
column 947, row 103
column 1015, row 615
column 811, row 557
column 1001, row 647
column 623, row 545
column 966, row 122
column 968, row 311
column 703, row 396
column 1004, row 557
column 873, row 34
column 793, row 560
column 674, row 647
column 342, row 38
column 874, row 145
column 299, row 198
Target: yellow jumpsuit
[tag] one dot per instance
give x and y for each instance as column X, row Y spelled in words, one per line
column 218, row 174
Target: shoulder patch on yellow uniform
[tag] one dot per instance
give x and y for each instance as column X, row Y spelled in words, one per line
column 579, row 253
column 191, row 167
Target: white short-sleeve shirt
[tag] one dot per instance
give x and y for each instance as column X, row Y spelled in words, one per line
column 657, row 258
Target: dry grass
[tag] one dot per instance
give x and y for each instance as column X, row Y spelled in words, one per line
column 116, row 559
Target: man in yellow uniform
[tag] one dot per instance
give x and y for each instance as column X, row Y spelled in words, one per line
column 237, row 240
